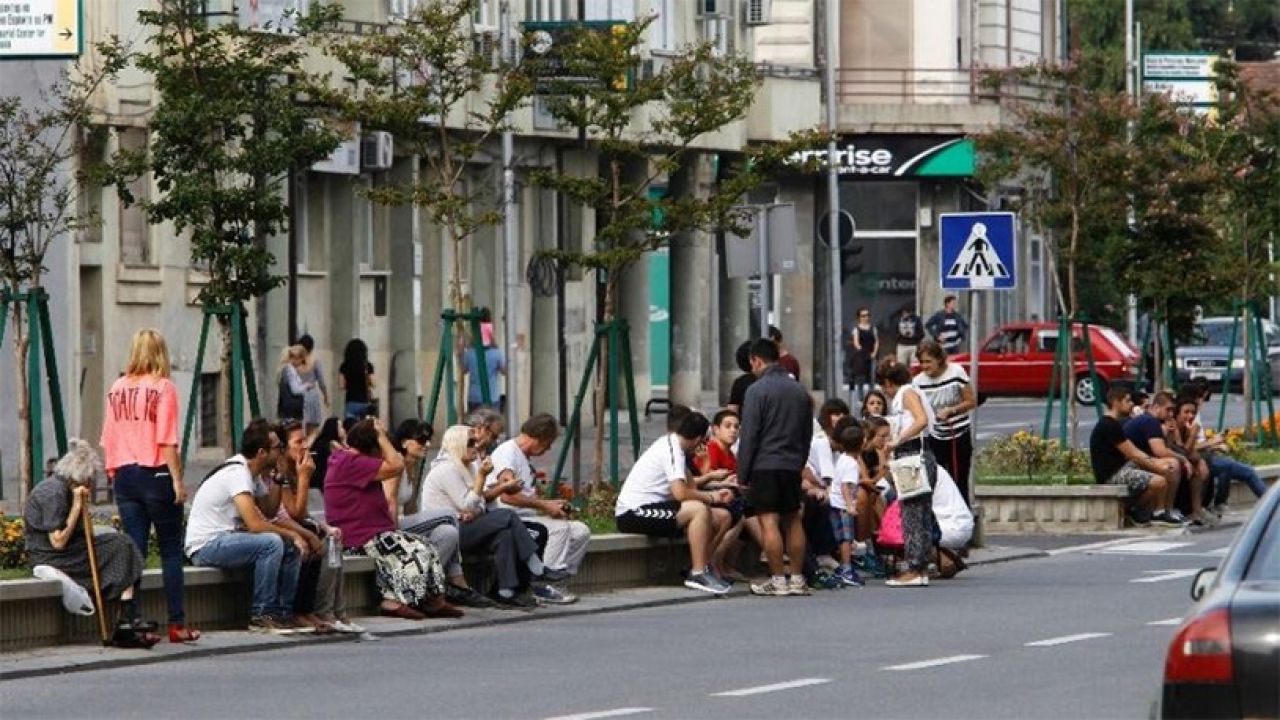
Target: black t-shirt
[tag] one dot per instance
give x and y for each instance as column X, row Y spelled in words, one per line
column 738, row 392
column 1142, row 430
column 1104, row 448
column 357, row 382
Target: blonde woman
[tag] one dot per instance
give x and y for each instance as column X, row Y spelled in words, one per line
column 140, row 441
column 292, row 393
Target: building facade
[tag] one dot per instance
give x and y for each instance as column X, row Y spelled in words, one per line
column 358, row 269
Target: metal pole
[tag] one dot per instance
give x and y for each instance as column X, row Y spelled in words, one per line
column 511, row 247
column 762, row 248
column 835, row 330
column 1129, row 91
column 974, row 313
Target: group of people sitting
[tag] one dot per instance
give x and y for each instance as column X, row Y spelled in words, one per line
column 825, row 494
column 415, row 513
column 1157, row 447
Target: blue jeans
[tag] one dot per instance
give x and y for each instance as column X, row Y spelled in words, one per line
column 275, row 565
column 145, row 497
column 1224, row 470
column 357, row 410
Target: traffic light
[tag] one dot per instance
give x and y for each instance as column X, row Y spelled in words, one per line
column 850, row 260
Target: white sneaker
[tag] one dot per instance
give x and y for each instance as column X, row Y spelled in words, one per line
column 347, row 627
column 798, row 586
column 768, row 589
column 75, row 598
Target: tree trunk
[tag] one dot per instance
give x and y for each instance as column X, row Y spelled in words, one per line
column 20, row 347
column 226, row 434
column 602, row 377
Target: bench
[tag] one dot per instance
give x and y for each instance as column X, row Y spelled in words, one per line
column 31, row 612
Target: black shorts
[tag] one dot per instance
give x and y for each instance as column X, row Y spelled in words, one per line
column 774, row 491
column 655, row 520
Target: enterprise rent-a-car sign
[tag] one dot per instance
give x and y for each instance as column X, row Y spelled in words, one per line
column 901, row 156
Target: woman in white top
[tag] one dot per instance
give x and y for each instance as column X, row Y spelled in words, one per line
column 910, row 418
column 437, row 526
column 949, row 393
column 453, row 486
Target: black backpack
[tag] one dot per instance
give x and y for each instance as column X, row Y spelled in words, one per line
column 289, row 404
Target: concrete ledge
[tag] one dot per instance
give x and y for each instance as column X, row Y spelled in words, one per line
column 31, row 610
column 1051, row 508
column 1086, row 491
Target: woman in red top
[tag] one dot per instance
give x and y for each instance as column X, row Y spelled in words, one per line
column 409, row 574
column 140, row 439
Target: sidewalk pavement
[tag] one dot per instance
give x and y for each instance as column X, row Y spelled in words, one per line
column 75, row 658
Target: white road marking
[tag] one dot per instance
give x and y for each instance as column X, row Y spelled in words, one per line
column 1149, row 547
column 761, row 689
column 1156, row 576
column 1167, row 621
column 1066, row 639
column 934, row 663
column 1089, row 547
column 619, row 712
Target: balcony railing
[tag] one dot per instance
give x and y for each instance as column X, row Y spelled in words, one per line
column 929, row 86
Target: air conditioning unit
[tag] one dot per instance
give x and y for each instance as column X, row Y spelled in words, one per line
column 758, row 12
column 377, row 151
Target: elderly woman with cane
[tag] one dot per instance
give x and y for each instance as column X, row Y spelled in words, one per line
column 60, row 536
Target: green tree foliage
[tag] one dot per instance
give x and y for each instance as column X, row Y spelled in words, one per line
column 229, row 127
column 647, row 127
column 232, row 122
column 1066, row 151
column 38, row 204
column 425, row 83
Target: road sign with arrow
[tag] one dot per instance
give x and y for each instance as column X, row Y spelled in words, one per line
column 41, row 29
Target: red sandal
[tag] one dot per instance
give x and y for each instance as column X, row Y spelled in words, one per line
column 182, row 634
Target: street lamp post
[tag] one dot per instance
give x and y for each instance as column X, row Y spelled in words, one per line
column 510, row 246
column 834, row 329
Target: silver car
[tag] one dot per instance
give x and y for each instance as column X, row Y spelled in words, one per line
column 1205, row 356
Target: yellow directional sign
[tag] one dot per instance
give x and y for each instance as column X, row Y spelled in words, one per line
column 40, row 28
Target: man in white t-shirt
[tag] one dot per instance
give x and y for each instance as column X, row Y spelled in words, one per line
column 227, row 530
column 512, row 485
column 659, row 499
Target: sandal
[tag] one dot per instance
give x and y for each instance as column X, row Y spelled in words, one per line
column 404, row 612
column 179, row 633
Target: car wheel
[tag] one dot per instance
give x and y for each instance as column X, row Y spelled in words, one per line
column 1086, row 393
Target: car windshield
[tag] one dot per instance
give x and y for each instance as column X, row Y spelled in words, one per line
column 1265, row 564
column 1218, row 333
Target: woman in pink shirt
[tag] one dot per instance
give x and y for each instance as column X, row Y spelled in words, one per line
column 140, row 439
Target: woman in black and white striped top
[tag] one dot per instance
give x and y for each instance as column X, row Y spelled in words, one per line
column 947, row 389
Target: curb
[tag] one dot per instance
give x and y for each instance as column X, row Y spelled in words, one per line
column 270, row 643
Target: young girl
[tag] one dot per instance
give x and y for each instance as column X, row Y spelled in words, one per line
column 874, row 404
column 848, row 473
column 875, row 467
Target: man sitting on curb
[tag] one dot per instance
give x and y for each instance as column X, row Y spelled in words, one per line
column 659, row 499
column 511, row 484
column 1116, row 461
column 1146, row 432
column 224, row 501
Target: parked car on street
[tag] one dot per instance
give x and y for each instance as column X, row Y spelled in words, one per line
column 1017, row 359
column 1205, row 356
column 1224, row 660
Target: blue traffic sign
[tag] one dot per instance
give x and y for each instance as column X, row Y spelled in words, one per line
column 978, row 251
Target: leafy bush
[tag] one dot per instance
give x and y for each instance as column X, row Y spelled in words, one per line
column 1025, row 454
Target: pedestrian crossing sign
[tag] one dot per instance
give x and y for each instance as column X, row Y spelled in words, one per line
column 978, row 251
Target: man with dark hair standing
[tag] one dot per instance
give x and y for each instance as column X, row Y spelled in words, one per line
column 949, row 327
column 777, row 419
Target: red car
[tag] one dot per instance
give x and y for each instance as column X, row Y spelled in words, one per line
column 1017, row 359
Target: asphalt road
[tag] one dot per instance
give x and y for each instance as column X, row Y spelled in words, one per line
column 1077, row 634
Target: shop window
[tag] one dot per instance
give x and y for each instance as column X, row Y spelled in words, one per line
column 881, row 205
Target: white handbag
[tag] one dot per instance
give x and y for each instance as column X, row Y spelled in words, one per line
column 909, row 476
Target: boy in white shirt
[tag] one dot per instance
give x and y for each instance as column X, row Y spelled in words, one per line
column 848, row 471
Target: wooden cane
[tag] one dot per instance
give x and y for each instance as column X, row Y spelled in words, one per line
column 87, row 523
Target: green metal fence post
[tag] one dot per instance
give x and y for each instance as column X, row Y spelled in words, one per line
column 250, row 380
column 628, row 374
column 34, row 397
column 1068, row 373
column 4, row 313
column 1263, row 374
column 1093, row 368
column 571, row 431
column 1054, row 386
column 614, row 365
column 482, row 361
column 437, row 377
column 237, row 376
column 1226, row 373
column 195, row 387
column 51, row 369
column 450, row 391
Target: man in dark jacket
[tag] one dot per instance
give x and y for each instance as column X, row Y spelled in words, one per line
column 777, row 423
